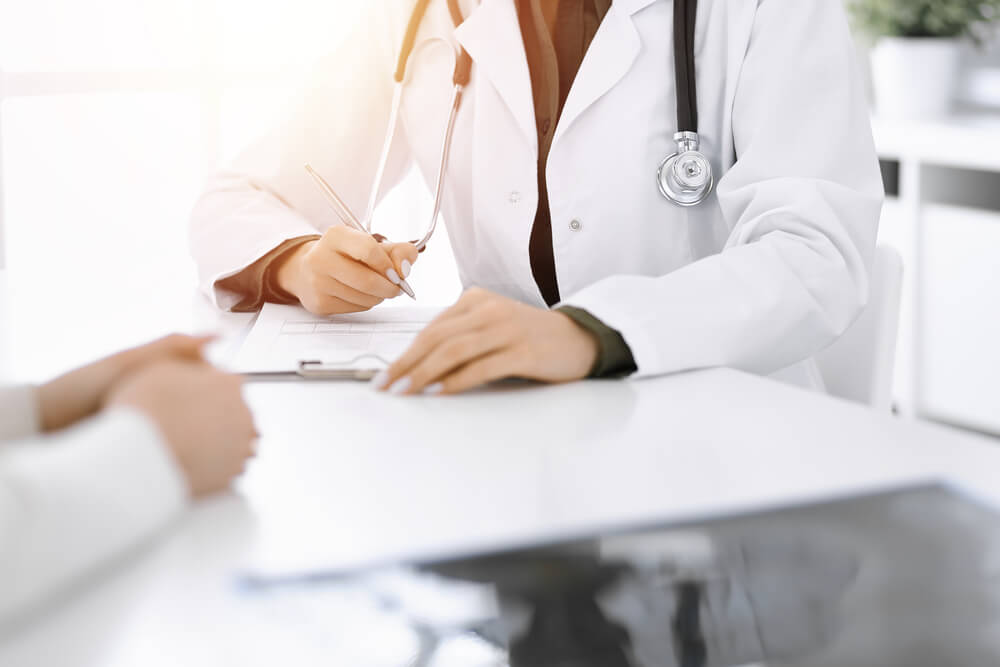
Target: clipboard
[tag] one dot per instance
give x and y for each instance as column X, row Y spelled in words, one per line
column 287, row 342
column 320, row 370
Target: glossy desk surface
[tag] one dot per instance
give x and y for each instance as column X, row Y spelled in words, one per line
column 347, row 477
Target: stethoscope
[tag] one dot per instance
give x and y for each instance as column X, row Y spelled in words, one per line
column 684, row 177
column 459, row 79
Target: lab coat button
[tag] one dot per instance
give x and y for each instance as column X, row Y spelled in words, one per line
column 576, row 225
column 514, row 197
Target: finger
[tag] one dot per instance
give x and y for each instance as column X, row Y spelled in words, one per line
column 361, row 247
column 450, row 356
column 403, row 256
column 359, row 276
column 489, row 368
column 434, row 335
column 330, row 286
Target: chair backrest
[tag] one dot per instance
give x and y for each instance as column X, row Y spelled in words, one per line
column 859, row 365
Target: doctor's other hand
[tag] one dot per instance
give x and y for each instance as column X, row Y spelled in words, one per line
column 200, row 413
column 486, row 337
column 345, row 271
column 80, row 393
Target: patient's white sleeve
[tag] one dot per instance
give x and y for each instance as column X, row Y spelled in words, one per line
column 19, row 417
column 72, row 502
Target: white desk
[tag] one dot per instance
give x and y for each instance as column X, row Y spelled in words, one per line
column 345, row 475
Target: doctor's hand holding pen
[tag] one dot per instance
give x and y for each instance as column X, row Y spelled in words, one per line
column 486, row 337
column 346, row 271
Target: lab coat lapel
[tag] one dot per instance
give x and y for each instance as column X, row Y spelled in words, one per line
column 608, row 59
column 492, row 36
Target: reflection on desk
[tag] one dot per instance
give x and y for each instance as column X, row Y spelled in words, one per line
column 905, row 578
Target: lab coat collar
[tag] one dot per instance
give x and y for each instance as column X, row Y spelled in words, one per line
column 608, row 59
column 492, row 36
column 629, row 7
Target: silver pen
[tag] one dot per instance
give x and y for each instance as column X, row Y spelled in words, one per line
column 349, row 219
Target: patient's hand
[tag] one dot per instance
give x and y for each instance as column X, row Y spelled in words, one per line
column 200, row 413
column 80, row 393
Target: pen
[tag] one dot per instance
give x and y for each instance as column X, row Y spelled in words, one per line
column 348, row 218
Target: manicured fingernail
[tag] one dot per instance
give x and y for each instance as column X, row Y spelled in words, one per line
column 393, row 276
column 406, row 267
column 434, row 389
column 400, row 386
column 380, row 379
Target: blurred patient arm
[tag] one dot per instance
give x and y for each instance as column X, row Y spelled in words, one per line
column 72, row 501
column 19, row 416
column 27, row 411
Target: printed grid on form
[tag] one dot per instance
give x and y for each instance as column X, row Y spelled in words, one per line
column 339, row 341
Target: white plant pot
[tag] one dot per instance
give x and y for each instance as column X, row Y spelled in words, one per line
column 915, row 78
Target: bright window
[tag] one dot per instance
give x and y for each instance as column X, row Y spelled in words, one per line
column 114, row 112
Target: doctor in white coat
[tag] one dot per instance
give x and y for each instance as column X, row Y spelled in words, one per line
column 768, row 271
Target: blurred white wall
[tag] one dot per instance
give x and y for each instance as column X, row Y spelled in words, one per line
column 114, row 112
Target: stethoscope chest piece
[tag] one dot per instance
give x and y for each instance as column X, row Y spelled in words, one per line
column 685, row 177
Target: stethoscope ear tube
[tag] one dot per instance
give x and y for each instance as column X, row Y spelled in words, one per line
column 463, row 66
column 410, row 38
column 461, row 75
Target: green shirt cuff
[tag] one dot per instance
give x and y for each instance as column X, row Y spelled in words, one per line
column 614, row 357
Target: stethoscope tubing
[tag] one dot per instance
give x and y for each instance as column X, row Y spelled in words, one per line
column 685, row 21
column 444, row 159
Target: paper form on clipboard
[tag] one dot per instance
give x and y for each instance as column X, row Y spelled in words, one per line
column 283, row 337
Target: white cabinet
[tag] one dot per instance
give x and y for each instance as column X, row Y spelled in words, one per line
column 946, row 223
column 960, row 316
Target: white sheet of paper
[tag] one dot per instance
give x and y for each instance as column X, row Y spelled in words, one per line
column 283, row 336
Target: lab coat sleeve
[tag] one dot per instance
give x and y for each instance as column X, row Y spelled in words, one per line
column 19, row 417
column 802, row 200
column 69, row 503
column 337, row 124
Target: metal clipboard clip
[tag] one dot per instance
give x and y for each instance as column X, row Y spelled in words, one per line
column 344, row 370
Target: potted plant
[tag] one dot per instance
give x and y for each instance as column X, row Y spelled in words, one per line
column 915, row 61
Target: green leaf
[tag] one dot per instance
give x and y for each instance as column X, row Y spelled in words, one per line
column 924, row 18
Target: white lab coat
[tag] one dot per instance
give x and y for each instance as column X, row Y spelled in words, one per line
column 772, row 269
column 73, row 501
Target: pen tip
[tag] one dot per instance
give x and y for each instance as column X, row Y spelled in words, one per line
column 403, row 285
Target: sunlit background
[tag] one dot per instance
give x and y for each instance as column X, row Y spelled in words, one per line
column 114, row 112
